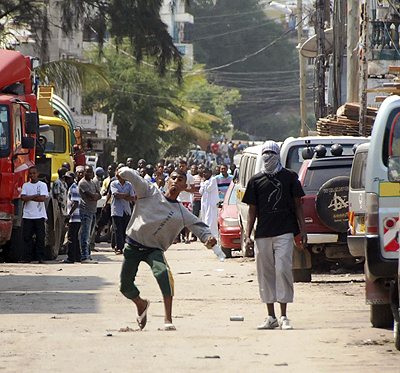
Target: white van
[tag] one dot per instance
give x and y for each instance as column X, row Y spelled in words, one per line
column 291, row 157
column 357, row 205
column 382, row 214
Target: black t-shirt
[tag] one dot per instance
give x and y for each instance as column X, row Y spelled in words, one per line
column 274, row 198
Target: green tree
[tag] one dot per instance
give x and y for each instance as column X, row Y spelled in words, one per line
column 136, row 20
column 227, row 31
column 155, row 115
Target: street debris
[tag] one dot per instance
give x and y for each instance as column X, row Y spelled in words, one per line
column 209, row 357
column 127, row 329
column 237, row 318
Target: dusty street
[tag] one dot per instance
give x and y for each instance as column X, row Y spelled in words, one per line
column 71, row 318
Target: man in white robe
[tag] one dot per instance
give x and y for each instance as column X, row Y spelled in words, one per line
column 209, row 201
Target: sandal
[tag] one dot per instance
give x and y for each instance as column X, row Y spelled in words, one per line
column 142, row 319
column 169, row 327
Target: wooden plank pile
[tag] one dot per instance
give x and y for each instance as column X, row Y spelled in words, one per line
column 390, row 88
column 346, row 121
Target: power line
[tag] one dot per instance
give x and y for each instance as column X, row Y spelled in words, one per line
column 231, row 32
column 231, row 15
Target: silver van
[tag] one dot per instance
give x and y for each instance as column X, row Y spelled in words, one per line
column 382, row 200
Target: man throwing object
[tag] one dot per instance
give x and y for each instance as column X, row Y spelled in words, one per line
column 156, row 221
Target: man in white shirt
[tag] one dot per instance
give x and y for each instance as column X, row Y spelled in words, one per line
column 186, row 196
column 34, row 215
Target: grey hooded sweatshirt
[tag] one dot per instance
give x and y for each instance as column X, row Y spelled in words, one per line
column 157, row 220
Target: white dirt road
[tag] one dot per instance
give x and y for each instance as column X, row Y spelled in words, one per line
column 71, row 318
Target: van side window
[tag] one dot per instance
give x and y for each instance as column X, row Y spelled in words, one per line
column 357, row 178
column 242, row 170
column 251, row 165
column 391, row 139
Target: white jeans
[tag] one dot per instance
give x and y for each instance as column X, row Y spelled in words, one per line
column 274, row 257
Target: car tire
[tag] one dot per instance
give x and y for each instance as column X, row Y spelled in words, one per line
column 396, row 332
column 13, row 250
column 106, row 233
column 301, row 275
column 52, row 249
column 381, row 315
column 331, row 203
column 225, row 250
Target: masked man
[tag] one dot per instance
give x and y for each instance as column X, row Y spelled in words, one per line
column 274, row 197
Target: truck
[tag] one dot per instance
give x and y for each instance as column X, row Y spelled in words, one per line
column 27, row 138
column 19, row 125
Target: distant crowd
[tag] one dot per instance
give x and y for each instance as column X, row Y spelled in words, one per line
column 78, row 196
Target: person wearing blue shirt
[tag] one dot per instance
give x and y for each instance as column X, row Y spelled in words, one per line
column 223, row 181
column 121, row 195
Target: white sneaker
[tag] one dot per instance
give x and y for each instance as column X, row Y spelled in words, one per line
column 284, row 323
column 269, row 323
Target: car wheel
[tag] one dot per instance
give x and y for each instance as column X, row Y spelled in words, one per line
column 106, row 233
column 396, row 330
column 381, row 315
column 51, row 250
column 13, row 250
column 226, row 251
column 301, row 275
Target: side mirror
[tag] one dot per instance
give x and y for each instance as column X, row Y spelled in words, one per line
column 31, row 123
column 394, row 169
column 28, row 143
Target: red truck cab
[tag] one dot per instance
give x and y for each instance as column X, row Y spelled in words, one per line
column 18, row 129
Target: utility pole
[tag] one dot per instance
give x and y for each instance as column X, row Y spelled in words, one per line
column 339, row 32
column 302, row 67
column 320, row 107
column 364, row 67
column 353, row 36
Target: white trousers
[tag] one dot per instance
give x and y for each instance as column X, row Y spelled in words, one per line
column 274, row 256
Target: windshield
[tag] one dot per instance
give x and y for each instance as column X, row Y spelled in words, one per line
column 5, row 137
column 233, row 197
column 295, row 158
column 54, row 139
column 316, row 177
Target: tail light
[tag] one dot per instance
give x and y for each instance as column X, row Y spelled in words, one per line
column 371, row 216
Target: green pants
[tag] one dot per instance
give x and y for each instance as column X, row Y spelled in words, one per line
column 156, row 260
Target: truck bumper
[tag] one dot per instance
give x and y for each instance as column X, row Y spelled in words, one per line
column 377, row 265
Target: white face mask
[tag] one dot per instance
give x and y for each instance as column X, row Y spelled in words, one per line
column 272, row 164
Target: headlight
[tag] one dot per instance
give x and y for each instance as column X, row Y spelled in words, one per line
column 230, row 222
column 6, row 216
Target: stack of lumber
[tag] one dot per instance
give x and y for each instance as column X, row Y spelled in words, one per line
column 390, row 88
column 346, row 121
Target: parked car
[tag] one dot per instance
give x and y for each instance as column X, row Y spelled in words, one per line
column 228, row 223
column 325, row 182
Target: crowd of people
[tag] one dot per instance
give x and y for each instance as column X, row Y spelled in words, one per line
column 78, row 194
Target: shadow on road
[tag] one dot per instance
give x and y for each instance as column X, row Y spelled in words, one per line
column 49, row 294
